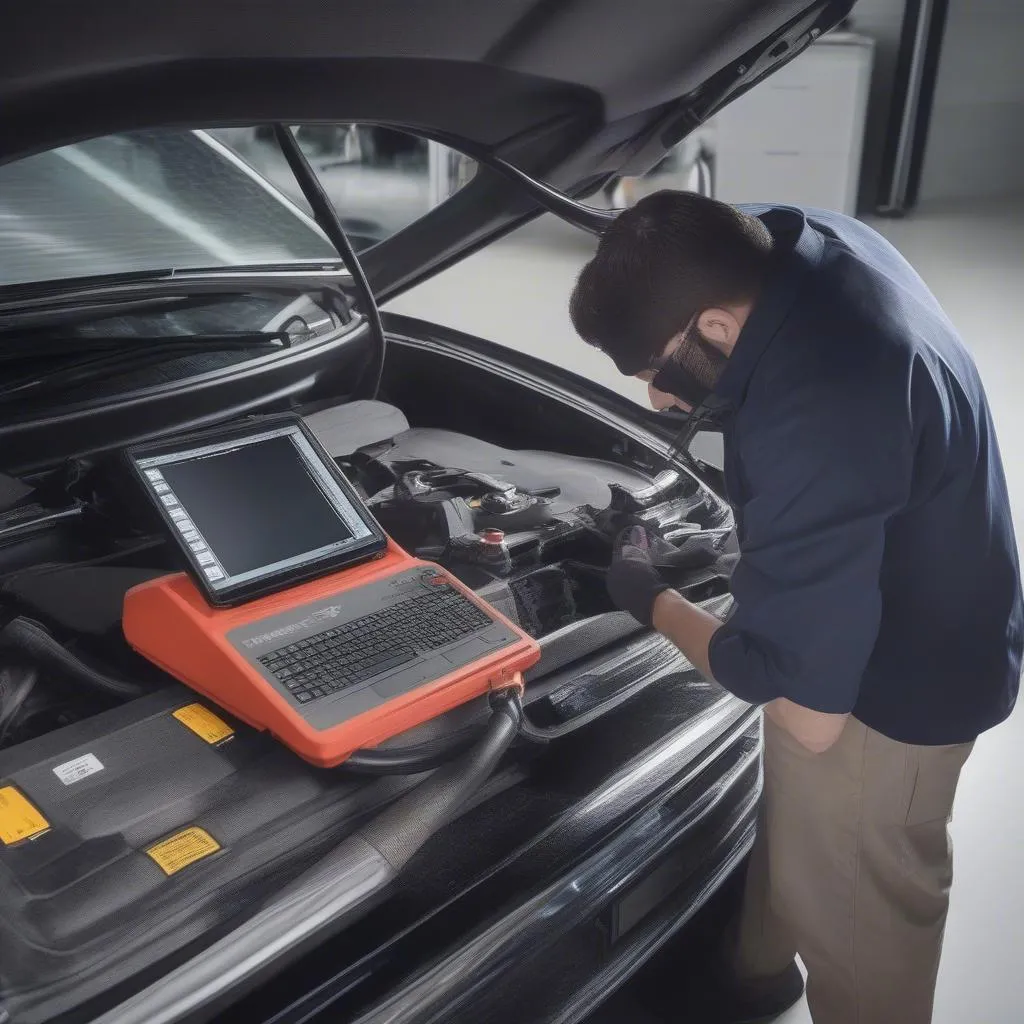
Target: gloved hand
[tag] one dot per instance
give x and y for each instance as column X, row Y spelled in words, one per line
column 633, row 582
column 689, row 551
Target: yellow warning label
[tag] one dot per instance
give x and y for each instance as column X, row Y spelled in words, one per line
column 183, row 849
column 18, row 818
column 204, row 723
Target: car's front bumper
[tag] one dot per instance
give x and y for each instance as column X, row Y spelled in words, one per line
column 559, row 954
column 555, row 950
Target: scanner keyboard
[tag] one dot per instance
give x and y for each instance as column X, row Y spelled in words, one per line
column 354, row 652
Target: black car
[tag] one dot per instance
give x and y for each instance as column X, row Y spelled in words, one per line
column 153, row 282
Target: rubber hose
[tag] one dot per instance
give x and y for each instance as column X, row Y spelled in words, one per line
column 29, row 636
column 411, row 760
column 16, row 685
column 407, row 824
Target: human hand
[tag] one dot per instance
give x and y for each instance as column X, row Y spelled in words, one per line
column 633, row 582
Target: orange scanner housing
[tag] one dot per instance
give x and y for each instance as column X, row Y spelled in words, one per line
column 169, row 622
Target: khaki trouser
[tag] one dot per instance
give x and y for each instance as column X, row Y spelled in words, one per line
column 851, row 869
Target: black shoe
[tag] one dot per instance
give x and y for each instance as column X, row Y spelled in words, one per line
column 717, row 997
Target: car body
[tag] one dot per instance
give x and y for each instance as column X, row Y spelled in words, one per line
column 155, row 280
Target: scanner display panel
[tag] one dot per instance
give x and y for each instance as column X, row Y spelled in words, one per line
column 253, row 507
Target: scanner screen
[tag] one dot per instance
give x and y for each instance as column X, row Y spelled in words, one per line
column 255, row 506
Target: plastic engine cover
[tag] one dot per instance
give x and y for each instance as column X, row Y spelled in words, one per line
column 580, row 481
column 226, row 819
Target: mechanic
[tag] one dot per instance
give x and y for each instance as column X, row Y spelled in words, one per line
column 877, row 609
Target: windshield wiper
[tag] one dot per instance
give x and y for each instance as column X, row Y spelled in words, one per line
column 96, row 358
column 16, row 327
column 26, row 347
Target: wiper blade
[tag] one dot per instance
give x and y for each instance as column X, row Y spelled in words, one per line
column 103, row 356
column 18, row 326
column 28, row 349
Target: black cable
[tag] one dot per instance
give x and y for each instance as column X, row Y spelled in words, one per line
column 434, row 754
column 16, row 686
column 401, row 830
column 327, row 217
column 29, row 636
column 411, row 760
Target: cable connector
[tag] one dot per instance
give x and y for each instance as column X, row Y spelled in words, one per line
column 507, row 682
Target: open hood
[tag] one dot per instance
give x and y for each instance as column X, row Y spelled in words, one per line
column 561, row 91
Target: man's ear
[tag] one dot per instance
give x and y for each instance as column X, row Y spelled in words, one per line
column 719, row 328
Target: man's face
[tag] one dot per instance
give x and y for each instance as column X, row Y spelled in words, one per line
column 693, row 360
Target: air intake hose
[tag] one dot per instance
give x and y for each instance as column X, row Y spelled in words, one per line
column 397, row 833
column 48, row 653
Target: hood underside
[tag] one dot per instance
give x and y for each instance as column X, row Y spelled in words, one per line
column 568, row 92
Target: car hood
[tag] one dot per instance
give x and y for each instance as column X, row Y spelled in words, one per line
column 565, row 92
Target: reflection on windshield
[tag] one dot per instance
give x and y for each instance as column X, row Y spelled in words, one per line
column 159, row 200
column 380, row 180
column 144, row 201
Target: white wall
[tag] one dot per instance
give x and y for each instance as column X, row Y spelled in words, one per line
column 976, row 138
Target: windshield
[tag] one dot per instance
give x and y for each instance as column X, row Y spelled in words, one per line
column 144, row 201
column 158, row 200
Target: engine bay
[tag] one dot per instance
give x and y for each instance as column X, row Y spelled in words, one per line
column 124, row 773
column 531, row 531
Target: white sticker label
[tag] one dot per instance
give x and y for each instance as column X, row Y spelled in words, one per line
column 82, row 767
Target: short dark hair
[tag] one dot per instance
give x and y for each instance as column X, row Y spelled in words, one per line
column 657, row 265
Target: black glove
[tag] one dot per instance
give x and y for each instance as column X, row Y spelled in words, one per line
column 633, row 581
column 690, row 551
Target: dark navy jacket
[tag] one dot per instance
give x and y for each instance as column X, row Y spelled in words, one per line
column 878, row 571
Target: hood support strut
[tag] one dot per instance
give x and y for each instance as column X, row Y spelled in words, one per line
column 327, row 218
column 584, row 217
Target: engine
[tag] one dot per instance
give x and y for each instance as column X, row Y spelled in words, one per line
column 534, row 530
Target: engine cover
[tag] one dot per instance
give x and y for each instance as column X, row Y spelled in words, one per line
column 166, row 819
column 578, row 481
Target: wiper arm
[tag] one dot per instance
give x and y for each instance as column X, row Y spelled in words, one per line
column 102, row 356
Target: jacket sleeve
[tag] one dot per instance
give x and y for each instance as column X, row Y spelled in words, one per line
column 825, row 473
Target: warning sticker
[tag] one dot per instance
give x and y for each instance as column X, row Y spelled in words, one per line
column 183, row 849
column 18, row 818
column 82, row 767
column 204, row 723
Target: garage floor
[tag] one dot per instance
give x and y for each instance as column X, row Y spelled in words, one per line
column 972, row 255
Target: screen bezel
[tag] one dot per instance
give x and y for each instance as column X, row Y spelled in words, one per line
column 271, row 581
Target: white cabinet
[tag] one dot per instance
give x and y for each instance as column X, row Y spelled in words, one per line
column 798, row 136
